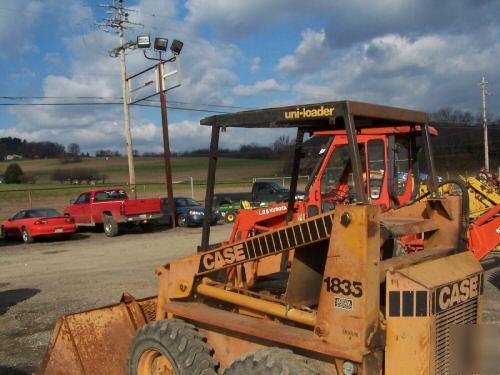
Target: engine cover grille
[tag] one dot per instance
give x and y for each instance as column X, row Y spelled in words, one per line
column 464, row 313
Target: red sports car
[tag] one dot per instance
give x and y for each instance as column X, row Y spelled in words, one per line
column 28, row 224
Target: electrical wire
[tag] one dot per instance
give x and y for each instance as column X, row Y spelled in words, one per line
column 109, row 103
column 13, row 97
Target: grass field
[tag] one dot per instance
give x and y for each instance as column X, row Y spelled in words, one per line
column 152, row 169
column 233, row 174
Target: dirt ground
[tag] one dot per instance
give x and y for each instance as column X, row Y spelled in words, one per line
column 40, row 282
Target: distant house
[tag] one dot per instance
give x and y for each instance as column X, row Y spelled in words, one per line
column 13, row 157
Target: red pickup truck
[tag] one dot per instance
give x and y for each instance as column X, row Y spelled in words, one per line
column 112, row 207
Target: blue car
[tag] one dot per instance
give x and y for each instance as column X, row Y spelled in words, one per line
column 187, row 212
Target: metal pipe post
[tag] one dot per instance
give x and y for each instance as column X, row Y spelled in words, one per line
column 209, row 194
column 295, row 173
column 166, row 146
column 429, row 159
column 357, row 171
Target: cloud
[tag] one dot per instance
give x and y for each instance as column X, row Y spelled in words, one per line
column 356, row 21
column 229, row 19
column 424, row 54
column 255, row 67
column 207, row 77
column 310, row 55
column 260, row 87
column 19, row 20
column 427, row 72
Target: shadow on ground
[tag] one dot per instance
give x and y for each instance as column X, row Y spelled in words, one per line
column 495, row 279
column 12, row 297
column 490, row 263
column 7, row 370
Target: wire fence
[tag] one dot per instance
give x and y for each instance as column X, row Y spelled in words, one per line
column 58, row 197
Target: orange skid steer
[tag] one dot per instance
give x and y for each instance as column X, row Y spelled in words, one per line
column 344, row 298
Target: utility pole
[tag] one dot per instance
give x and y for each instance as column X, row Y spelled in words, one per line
column 119, row 21
column 484, row 92
column 166, row 143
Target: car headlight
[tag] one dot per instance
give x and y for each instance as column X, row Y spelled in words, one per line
column 193, row 212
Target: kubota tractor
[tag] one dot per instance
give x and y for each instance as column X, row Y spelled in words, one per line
column 346, row 299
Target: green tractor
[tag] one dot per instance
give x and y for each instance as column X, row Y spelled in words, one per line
column 229, row 211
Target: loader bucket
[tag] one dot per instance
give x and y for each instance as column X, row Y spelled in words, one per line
column 97, row 341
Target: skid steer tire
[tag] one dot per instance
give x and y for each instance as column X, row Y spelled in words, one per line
column 272, row 361
column 171, row 345
column 110, row 226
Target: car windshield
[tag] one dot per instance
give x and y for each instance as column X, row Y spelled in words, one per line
column 109, row 195
column 185, row 202
column 42, row 212
column 277, row 186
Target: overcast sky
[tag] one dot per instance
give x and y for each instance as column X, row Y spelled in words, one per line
column 422, row 54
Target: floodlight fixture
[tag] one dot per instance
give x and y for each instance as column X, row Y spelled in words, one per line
column 161, row 44
column 143, row 41
column 176, row 47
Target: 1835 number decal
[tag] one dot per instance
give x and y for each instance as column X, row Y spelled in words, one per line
column 345, row 287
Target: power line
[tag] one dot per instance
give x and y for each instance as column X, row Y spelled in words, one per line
column 107, row 103
column 120, row 98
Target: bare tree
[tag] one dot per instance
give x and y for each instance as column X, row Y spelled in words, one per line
column 73, row 149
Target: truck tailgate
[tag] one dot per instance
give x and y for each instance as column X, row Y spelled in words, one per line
column 141, row 206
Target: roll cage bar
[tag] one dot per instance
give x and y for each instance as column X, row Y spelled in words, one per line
column 344, row 115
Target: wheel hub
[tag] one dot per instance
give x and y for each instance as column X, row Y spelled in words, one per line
column 153, row 362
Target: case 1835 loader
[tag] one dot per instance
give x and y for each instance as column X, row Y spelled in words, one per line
column 338, row 295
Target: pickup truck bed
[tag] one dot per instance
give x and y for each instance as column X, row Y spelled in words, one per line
column 112, row 207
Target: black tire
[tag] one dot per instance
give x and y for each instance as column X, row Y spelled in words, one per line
column 25, row 235
column 172, row 343
column 110, row 226
column 231, row 217
column 272, row 361
column 182, row 221
column 3, row 233
column 147, row 227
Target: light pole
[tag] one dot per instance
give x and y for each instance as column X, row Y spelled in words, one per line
column 160, row 46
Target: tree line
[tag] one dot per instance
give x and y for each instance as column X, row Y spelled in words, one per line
column 32, row 150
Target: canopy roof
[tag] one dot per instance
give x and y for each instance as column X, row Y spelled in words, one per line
column 319, row 115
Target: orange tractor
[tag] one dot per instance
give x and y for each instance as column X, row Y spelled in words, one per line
column 358, row 278
column 388, row 173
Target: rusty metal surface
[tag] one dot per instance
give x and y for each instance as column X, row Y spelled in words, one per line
column 348, row 310
column 422, row 302
column 256, row 328
column 393, row 264
column 260, row 305
column 401, row 226
column 94, row 341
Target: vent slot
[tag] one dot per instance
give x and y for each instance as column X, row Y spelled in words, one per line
column 465, row 313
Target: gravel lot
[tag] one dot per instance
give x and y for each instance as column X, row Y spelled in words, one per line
column 40, row 282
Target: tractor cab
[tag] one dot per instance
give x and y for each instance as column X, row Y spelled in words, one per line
column 371, row 156
column 389, row 168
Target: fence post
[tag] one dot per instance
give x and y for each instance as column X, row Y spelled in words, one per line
column 30, row 200
column 192, row 187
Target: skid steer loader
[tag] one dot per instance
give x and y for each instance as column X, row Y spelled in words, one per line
column 344, row 300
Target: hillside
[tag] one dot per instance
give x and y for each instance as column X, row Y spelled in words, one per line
column 152, row 169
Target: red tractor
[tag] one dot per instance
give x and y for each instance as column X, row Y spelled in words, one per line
column 391, row 143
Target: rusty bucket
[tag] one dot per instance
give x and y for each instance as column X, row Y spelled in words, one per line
column 97, row 341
